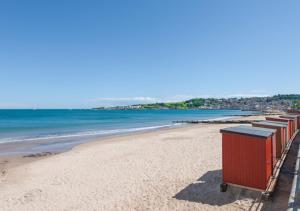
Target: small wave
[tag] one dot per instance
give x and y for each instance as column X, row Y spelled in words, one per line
column 220, row 118
column 89, row 133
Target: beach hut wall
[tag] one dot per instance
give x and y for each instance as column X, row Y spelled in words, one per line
column 247, row 156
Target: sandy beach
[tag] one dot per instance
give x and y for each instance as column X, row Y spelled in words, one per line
column 170, row 169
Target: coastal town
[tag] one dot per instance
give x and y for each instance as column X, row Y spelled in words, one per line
column 264, row 104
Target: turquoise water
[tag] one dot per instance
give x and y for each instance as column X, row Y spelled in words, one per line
column 69, row 127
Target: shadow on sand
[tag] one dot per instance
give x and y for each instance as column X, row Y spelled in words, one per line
column 206, row 190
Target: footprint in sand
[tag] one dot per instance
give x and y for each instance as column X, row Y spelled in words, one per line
column 30, row 196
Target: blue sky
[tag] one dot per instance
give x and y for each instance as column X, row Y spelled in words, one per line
column 80, row 54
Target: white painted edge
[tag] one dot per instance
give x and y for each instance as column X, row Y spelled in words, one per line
column 294, row 185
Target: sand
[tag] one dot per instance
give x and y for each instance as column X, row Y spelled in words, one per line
column 170, row 169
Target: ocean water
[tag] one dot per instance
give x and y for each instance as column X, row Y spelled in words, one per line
column 41, row 130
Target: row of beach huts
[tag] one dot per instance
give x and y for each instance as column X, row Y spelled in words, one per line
column 253, row 155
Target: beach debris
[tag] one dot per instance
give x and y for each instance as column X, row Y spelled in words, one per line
column 37, row 155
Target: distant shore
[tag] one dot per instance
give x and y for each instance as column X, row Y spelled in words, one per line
column 277, row 102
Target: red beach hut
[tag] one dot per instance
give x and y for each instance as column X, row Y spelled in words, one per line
column 281, row 130
column 289, row 121
column 286, row 126
column 293, row 117
column 247, row 157
column 297, row 113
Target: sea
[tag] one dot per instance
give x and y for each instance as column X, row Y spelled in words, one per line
column 33, row 131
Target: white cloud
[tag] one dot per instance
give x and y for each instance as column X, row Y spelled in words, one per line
column 114, row 101
column 253, row 93
column 13, row 106
column 176, row 98
column 123, row 101
column 147, row 99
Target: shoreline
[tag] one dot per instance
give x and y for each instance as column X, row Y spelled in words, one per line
column 14, row 160
column 150, row 170
column 22, row 148
column 11, row 161
column 59, row 145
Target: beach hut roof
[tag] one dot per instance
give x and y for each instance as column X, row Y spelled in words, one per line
column 289, row 116
column 248, row 130
column 272, row 123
